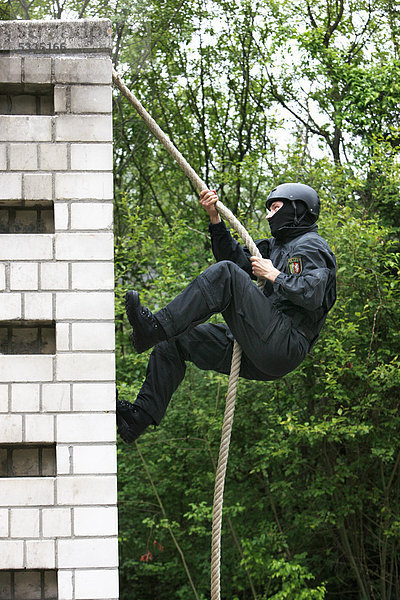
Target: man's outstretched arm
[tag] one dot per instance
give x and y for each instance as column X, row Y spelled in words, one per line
column 223, row 245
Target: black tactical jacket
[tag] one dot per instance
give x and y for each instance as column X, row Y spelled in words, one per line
column 305, row 289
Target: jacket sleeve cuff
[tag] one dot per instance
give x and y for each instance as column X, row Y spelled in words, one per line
column 280, row 279
column 217, row 228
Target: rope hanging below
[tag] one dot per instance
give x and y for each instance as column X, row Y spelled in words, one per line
column 237, row 351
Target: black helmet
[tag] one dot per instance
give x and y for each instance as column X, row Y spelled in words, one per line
column 295, row 192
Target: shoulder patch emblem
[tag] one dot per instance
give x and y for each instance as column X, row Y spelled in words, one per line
column 295, row 266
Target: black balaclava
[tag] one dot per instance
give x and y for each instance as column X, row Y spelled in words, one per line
column 283, row 224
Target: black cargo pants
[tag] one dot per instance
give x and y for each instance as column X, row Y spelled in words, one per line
column 270, row 344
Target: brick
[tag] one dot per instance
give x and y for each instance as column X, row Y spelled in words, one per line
column 11, row 554
column 10, row 185
column 65, row 585
column 39, row 305
column 62, row 337
column 91, row 215
column 90, row 128
column 3, row 398
column 37, row 69
column 3, row 157
column 53, row 157
column 3, row 524
column 23, row 104
column 86, row 490
column 88, row 553
column 2, row 277
column 38, row 186
column 64, row 460
column 24, row 523
column 85, row 305
column 48, row 462
column 10, row 429
column 46, row 105
column 56, row 397
column 91, row 99
column 23, row 157
column 93, row 336
column 40, row 554
column 10, row 69
column 85, row 428
column 96, row 584
column 85, row 367
column 39, row 428
column 27, row 585
column 25, row 128
column 98, row 186
column 4, row 108
column 95, row 459
column 91, row 157
column 93, row 396
column 56, row 522
column 26, row 247
column 24, row 276
column 96, row 521
column 90, row 246
column 50, row 584
column 25, row 397
column 61, row 216
column 26, row 368
column 5, row 584
column 83, row 70
column 25, row 461
column 10, row 306
column 26, row 491
column 54, row 276
column 60, row 98
column 93, row 276
column 4, row 105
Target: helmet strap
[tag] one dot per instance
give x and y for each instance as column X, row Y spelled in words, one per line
column 297, row 220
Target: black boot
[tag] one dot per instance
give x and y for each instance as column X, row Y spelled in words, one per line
column 146, row 330
column 132, row 421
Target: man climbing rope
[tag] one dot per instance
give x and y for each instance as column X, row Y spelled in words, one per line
column 275, row 327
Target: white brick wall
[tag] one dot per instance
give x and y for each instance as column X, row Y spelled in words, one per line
column 10, row 185
column 27, row 491
column 10, row 69
column 87, row 246
column 25, row 129
column 66, row 522
column 23, row 157
column 88, row 70
column 3, row 157
column 37, row 70
column 26, row 368
column 76, row 128
column 25, row 397
column 91, row 99
column 84, row 185
column 91, row 157
column 24, row 276
column 26, row 247
column 92, row 585
column 38, row 186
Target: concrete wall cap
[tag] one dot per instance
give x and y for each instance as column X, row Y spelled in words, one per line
column 56, row 37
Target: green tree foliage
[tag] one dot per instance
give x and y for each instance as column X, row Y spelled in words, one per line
column 256, row 93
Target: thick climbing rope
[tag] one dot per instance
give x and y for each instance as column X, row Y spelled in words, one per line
column 237, row 351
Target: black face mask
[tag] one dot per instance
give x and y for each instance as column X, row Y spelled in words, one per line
column 283, row 226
